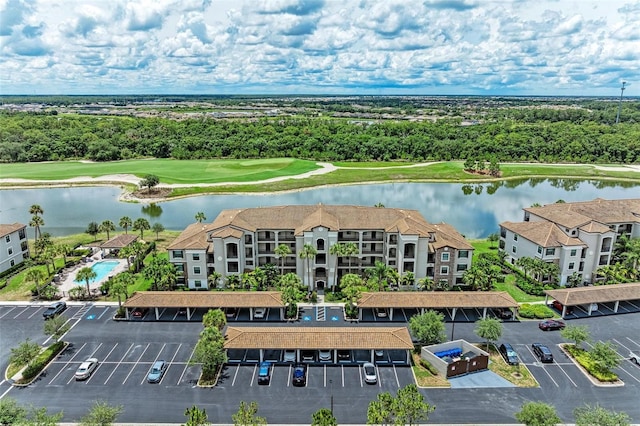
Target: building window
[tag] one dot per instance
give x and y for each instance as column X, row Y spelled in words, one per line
column 8, row 238
column 550, row 252
column 320, row 244
column 571, row 265
column 196, row 270
column 461, row 267
column 463, row 254
column 197, row 284
column 10, row 251
column 573, row 252
column 445, row 257
column 21, row 234
column 179, row 267
column 444, row 270
column 539, row 250
column 513, row 249
column 177, row 254
column 515, row 237
column 196, row 257
column 13, row 263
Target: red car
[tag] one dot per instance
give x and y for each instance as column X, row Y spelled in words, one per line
column 551, row 325
column 559, row 307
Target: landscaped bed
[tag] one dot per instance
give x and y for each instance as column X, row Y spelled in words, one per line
column 519, row 375
column 36, row 366
column 427, row 376
column 589, row 366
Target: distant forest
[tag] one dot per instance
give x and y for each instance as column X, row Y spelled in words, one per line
column 495, row 128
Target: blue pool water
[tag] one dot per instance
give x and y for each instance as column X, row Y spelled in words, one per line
column 102, row 269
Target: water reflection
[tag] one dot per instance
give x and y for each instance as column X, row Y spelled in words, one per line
column 474, row 209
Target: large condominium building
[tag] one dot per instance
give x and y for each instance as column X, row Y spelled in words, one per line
column 243, row 239
column 14, row 248
column 578, row 237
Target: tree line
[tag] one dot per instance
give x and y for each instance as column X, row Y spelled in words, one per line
column 27, row 137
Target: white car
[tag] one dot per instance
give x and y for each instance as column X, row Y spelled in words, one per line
column 635, row 357
column 289, row 355
column 369, row 371
column 259, row 313
column 86, row 369
column 325, row 355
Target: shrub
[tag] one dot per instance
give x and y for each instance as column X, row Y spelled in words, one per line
column 41, row 361
column 584, row 359
column 535, row 311
column 430, row 368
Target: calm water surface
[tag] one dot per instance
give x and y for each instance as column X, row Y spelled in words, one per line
column 475, row 210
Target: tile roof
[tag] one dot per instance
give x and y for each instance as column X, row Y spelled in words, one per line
column 543, row 233
column 193, row 237
column 448, row 236
column 205, row 299
column 6, row 229
column 596, row 294
column 438, row 299
column 317, row 338
column 579, row 213
column 119, row 241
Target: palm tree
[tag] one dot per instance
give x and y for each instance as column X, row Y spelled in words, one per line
column 157, row 228
column 86, row 274
column 350, row 250
column 200, row 217
column 307, row 253
column 338, row 251
column 426, row 283
column 282, row 251
column 141, row 224
column 107, row 226
column 36, row 222
column 35, row 276
column 64, row 250
column 120, row 285
column 213, row 279
column 125, row 223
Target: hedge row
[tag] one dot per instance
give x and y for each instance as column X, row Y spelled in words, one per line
column 538, row 311
column 584, row 359
column 41, row 361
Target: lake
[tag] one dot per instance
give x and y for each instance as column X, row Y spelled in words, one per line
column 474, row 209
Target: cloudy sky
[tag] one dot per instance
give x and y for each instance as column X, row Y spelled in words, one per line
column 508, row 47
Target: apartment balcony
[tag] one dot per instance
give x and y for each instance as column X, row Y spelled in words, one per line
column 286, row 236
column 370, row 251
column 348, row 236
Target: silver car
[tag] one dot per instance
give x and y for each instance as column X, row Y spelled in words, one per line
column 86, row 369
column 157, row 371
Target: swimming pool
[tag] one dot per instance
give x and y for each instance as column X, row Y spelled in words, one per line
column 102, row 270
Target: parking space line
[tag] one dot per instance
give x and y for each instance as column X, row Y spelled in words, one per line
column 565, row 373
column 171, row 362
column 67, row 332
column 550, row 376
column 106, row 309
column 253, row 375
column 151, row 366
column 631, row 303
column 233, row 382
column 325, row 376
column 119, row 362
column 100, row 363
column 186, row 366
column 6, row 313
column 36, row 311
column 66, row 364
column 25, row 308
column 136, row 363
column 342, row 374
column 289, row 377
column 395, row 373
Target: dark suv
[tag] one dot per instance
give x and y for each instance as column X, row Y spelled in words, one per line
column 54, row 309
column 542, row 352
column 509, row 355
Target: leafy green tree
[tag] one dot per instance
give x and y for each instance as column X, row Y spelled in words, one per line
column 380, row 411
column 247, row 415
column 161, row 272
column 410, row 406
column 538, row 414
column 350, row 250
column 196, row 416
column 200, row 217
column 141, row 224
column 605, row 355
column 307, row 253
column 213, row 279
column 10, row 412
column 426, row 284
column 107, row 226
column 157, row 228
column 120, row 286
column 149, row 181
column 214, row 318
column 597, row 415
column 64, row 250
column 323, row 417
column 428, row 327
column 24, row 353
column 281, row 252
column 291, row 293
column 125, row 223
column 493, row 239
column 56, row 327
column 86, row 274
column 489, row 329
column 101, row 414
column 209, row 352
column 40, row 417
column 576, row 333
column 93, row 229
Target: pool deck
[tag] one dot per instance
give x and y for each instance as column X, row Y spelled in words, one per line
column 69, row 281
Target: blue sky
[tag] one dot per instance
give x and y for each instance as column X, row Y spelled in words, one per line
column 441, row 47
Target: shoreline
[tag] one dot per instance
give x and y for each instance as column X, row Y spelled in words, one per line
column 125, row 181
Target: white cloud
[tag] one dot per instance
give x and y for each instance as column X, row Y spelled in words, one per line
column 323, row 46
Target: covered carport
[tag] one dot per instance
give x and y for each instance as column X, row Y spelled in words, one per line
column 191, row 301
column 300, row 339
column 423, row 300
column 593, row 295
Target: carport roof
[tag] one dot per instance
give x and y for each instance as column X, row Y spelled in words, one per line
column 438, row 299
column 317, row 338
column 196, row 299
column 596, row 294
